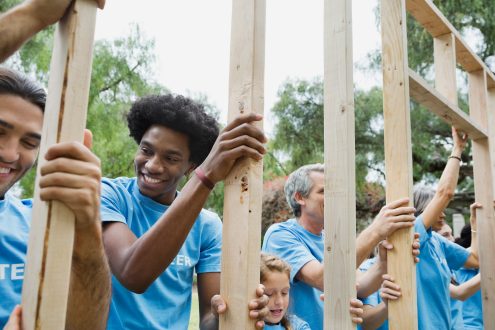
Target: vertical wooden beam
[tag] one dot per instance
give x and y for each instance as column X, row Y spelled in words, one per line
column 48, row 264
column 398, row 157
column 483, row 180
column 340, row 189
column 445, row 64
column 491, row 131
column 244, row 185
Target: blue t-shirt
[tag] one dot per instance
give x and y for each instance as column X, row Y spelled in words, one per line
column 456, row 309
column 295, row 322
column 166, row 304
column 373, row 299
column 433, row 273
column 15, row 222
column 297, row 246
column 472, row 309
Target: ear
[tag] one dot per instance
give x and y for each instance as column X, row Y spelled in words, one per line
column 299, row 199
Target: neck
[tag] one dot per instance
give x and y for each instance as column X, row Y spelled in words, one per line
column 308, row 223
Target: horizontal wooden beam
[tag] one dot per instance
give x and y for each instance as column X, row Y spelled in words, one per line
column 427, row 96
column 432, row 19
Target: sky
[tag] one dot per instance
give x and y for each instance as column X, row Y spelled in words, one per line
column 193, row 42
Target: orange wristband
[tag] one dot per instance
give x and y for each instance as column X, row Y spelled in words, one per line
column 202, row 177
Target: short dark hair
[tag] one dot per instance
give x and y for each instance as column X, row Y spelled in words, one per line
column 465, row 239
column 14, row 83
column 178, row 113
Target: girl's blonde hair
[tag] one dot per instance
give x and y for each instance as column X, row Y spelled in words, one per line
column 269, row 264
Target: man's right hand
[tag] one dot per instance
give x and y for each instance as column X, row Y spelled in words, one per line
column 239, row 139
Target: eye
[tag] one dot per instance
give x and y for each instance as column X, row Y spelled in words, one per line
column 28, row 144
column 146, row 151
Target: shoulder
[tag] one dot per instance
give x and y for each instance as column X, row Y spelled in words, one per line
column 280, row 231
column 209, row 217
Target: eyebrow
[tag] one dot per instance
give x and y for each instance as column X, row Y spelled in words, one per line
column 10, row 126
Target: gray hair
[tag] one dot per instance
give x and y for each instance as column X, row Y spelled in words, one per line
column 422, row 197
column 300, row 182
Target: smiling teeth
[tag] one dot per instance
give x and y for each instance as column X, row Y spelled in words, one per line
column 4, row 170
column 151, row 180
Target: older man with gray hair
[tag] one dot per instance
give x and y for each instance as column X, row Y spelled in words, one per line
column 300, row 240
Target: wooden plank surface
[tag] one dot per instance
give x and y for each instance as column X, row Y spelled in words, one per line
column 427, row 96
column 48, row 264
column 491, row 131
column 445, row 65
column 244, row 185
column 340, row 182
column 398, row 158
column 482, row 166
column 433, row 20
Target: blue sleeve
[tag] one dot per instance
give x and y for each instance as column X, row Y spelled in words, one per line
column 211, row 246
column 110, row 209
column 424, row 235
column 455, row 254
column 372, row 299
column 286, row 246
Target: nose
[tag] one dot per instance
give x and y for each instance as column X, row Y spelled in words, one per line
column 278, row 300
column 154, row 165
column 9, row 151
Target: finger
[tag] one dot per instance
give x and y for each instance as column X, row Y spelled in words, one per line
column 243, row 151
column 14, row 319
column 260, row 325
column 409, row 218
column 68, row 180
column 260, row 290
column 387, row 277
column 243, row 140
column 242, row 119
column 88, row 138
column 357, row 320
column 356, row 303
column 75, row 199
column 416, row 236
column 101, row 4
column 244, row 129
column 397, row 203
column 72, row 150
column 72, row 166
column 387, row 245
column 218, row 305
column 402, row 210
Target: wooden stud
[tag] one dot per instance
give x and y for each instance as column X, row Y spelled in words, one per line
column 478, row 105
column 428, row 97
column 398, row 158
column 445, row 64
column 340, row 185
column 244, row 185
column 48, row 264
column 491, row 130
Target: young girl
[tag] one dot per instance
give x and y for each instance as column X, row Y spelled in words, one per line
column 275, row 276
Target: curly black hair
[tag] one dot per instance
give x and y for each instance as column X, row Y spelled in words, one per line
column 178, row 113
column 465, row 239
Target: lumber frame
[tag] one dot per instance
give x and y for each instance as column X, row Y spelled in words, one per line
column 482, row 166
column 244, row 185
column 340, row 185
column 491, row 131
column 48, row 264
column 398, row 158
column 432, row 19
column 428, row 97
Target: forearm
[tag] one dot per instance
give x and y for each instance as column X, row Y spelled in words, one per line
column 365, row 243
column 374, row 317
column 474, row 244
column 152, row 253
column 90, row 286
column 371, row 280
column 209, row 322
column 465, row 290
column 16, row 27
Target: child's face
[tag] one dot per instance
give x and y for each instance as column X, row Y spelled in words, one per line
column 277, row 289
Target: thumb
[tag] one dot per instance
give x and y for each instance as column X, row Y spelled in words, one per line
column 88, row 138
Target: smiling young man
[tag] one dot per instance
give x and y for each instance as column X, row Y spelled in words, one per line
column 156, row 237
column 71, row 175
